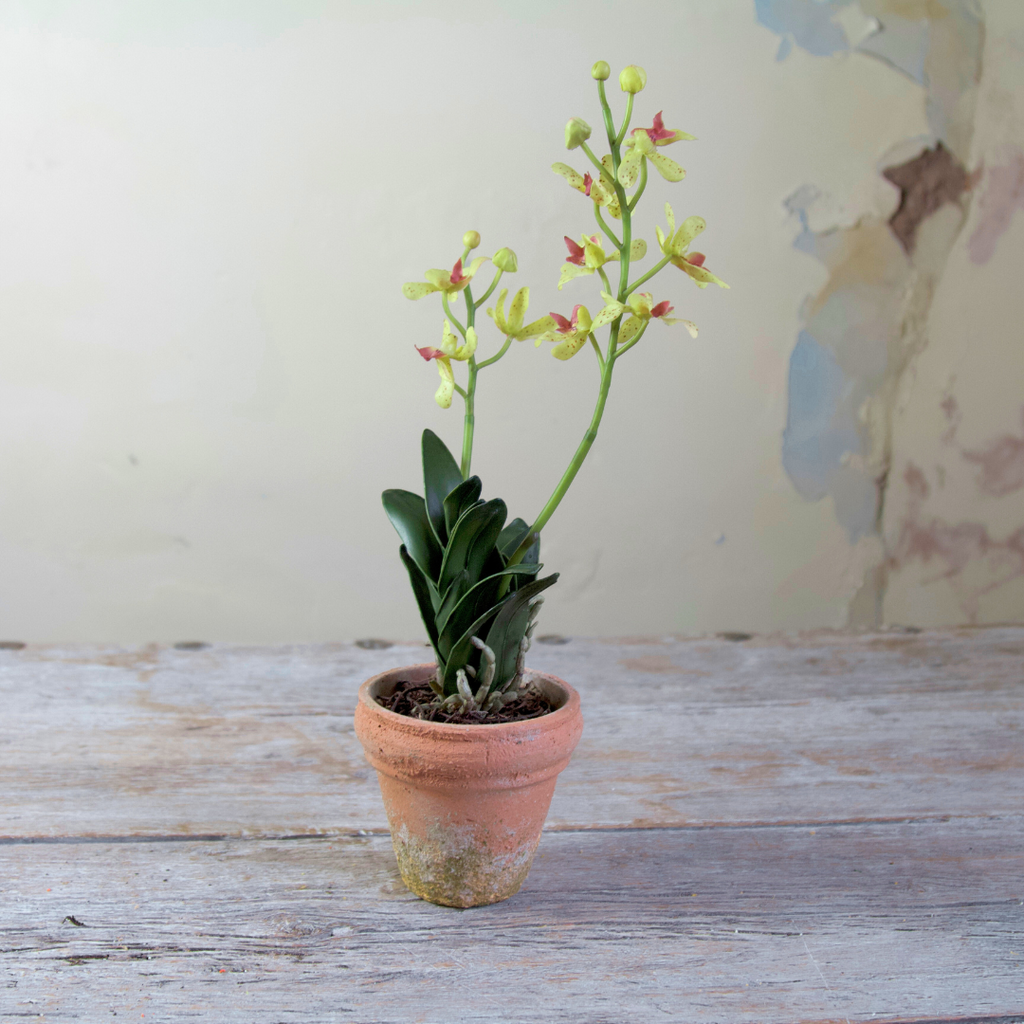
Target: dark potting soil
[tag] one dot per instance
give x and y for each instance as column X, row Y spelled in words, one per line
column 413, row 699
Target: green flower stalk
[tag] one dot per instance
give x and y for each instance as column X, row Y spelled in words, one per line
column 475, row 576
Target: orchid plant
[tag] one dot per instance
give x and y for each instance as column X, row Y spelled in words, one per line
column 476, row 578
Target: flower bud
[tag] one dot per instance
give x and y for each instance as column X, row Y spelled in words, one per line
column 632, row 78
column 505, row 259
column 601, row 71
column 577, row 131
column 471, row 239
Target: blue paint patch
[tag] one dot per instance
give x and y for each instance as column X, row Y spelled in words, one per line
column 808, row 23
column 820, row 429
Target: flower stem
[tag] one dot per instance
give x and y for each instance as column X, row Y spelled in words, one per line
column 604, row 227
column 469, row 420
column 609, row 124
column 496, row 357
column 487, row 294
column 629, row 344
column 448, row 313
column 650, row 273
column 625, row 121
column 640, row 189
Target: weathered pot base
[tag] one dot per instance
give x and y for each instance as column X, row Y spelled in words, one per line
column 466, row 803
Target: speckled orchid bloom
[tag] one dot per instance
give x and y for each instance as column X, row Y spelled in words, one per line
column 449, row 282
column 571, row 334
column 602, row 190
column 588, row 255
column 512, row 326
column 644, row 309
column 675, row 244
column 644, row 142
column 450, row 349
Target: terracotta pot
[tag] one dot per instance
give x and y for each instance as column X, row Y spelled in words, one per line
column 466, row 802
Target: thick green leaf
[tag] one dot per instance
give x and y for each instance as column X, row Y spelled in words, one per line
column 441, row 475
column 462, row 498
column 509, row 628
column 452, row 597
column 426, row 595
column 462, row 650
column 512, row 536
column 471, row 542
column 408, row 515
column 456, row 616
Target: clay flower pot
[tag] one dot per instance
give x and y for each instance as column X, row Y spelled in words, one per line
column 466, row 802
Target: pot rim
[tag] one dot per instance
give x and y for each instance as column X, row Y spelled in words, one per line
column 569, row 710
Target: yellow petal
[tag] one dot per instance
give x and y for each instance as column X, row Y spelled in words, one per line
column 691, row 228
column 638, row 249
column 465, row 351
column 444, row 394
column 629, row 330
column 630, row 167
column 700, row 275
column 439, row 279
column 417, row 289
column 575, row 179
column 667, row 168
column 517, row 311
column 498, row 313
column 570, row 345
column 690, row 326
column 570, row 271
column 545, row 323
column 610, row 312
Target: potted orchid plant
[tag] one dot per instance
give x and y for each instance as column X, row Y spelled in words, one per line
column 474, row 729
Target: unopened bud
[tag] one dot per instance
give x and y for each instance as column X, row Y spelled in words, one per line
column 471, row 239
column 601, row 71
column 577, row 131
column 632, row 78
column 505, row 259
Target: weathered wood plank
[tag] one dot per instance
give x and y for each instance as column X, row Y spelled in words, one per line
column 258, row 741
column 916, row 921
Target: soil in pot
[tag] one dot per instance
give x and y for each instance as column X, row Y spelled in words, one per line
column 413, row 698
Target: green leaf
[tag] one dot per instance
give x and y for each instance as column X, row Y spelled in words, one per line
column 512, row 536
column 452, row 597
column 471, row 542
column 463, row 497
column 408, row 515
column 456, row 616
column 441, row 475
column 426, row 596
column 509, row 628
column 463, row 648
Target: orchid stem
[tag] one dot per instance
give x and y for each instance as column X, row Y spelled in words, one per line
column 629, row 344
column 448, row 313
column 604, row 227
column 650, row 273
column 487, row 294
column 496, row 357
column 643, row 184
column 625, row 122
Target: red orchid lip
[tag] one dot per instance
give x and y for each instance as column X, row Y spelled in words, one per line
column 457, row 277
column 577, row 254
column 695, row 259
column 429, row 353
column 662, row 309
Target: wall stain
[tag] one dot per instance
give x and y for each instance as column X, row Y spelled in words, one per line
column 864, row 329
column 1003, row 196
column 955, row 547
column 927, row 182
column 1002, row 464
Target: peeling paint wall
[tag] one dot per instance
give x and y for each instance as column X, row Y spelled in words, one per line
column 856, row 369
column 206, row 366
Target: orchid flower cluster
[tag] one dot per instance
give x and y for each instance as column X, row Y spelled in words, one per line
column 474, row 577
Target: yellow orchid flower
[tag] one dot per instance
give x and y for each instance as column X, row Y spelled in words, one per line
column 644, row 310
column 512, row 326
column 571, row 334
column 675, row 244
column 644, row 142
column 450, row 349
column 589, row 255
column 602, row 191
column 448, row 281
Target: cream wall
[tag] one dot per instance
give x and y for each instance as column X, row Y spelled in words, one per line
column 206, row 214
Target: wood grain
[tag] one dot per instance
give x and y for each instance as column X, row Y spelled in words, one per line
column 258, row 741
column 772, row 924
column 815, row 829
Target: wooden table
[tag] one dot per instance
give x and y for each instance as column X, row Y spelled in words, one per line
column 814, row 828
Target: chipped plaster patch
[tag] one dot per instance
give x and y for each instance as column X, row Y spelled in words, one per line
column 1003, row 196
